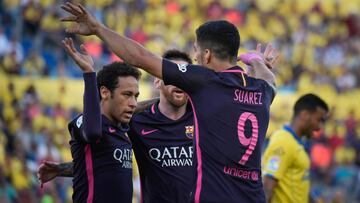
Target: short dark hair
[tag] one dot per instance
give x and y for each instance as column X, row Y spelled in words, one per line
column 220, row 37
column 174, row 54
column 309, row 102
column 109, row 74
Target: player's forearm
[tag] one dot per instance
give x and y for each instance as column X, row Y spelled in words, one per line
column 92, row 112
column 261, row 71
column 269, row 186
column 131, row 51
column 141, row 106
column 250, row 71
column 268, row 195
column 66, row 169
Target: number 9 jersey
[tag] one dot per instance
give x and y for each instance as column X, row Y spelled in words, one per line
column 231, row 116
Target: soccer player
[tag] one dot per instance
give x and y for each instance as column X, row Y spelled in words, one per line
column 231, row 109
column 286, row 164
column 162, row 138
column 100, row 149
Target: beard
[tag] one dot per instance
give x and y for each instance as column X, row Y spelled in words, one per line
column 176, row 99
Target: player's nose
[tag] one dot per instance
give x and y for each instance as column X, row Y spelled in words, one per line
column 133, row 102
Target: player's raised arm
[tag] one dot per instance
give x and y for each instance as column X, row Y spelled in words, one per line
column 92, row 113
column 141, row 106
column 127, row 49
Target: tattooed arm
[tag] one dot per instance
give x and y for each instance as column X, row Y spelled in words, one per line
column 50, row 170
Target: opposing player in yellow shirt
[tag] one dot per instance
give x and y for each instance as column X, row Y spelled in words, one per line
column 286, row 163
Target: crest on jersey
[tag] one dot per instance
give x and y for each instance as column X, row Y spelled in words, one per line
column 79, row 121
column 189, row 131
column 182, row 67
column 274, row 163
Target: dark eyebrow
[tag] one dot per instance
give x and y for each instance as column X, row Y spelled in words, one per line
column 130, row 92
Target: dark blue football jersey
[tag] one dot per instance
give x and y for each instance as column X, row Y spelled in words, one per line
column 231, row 116
column 163, row 149
column 103, row 169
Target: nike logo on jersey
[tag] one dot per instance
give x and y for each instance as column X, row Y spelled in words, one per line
column 143, row 132
column 111, row 130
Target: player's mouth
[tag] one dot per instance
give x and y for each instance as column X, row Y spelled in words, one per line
column 128, row 114
column 178, row 93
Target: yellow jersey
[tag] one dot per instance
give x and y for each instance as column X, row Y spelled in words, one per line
column 286, row 160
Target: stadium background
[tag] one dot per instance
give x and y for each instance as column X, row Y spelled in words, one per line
column 41, row 89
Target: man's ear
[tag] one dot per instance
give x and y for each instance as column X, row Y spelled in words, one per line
column 158, row 83
column 105, row 93
column 207, row 56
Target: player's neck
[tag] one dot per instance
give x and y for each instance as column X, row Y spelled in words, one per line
column 295, row 125
column 105, row 111
column 219, row 66
column 170, row 111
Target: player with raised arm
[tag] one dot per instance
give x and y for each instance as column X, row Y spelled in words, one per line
column 101, row 151
column 286, row 163
column 162, row 138
column 170, row 157
column 231, row 109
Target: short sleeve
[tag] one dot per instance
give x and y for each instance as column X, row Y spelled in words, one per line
column 187, row 77
column 269, row 90
column 277, row 158
column 75, row 128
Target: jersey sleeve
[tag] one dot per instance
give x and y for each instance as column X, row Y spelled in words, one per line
column 269, row 90
column 277, row 158
column 187, row 77
column 92, row 113
column 87, row 127
column 75, row 128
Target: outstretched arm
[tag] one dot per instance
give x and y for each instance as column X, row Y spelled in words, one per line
column 92, row 112
column 50, row 170
column 141, row 106
column 127, row 49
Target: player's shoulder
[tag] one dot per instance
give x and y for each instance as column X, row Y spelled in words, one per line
column 76, row 122
column 146, row 113
column 185, row 67
column 281, row 143
column 282, row 137
column 147, row 116
column 263, row 84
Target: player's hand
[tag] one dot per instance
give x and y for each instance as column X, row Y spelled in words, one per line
column 83, row 59
column 269, row 57
column 84, row 22
column 47, row 171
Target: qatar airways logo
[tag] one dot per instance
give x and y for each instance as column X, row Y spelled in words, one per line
column 172, row 156
column 124, row 156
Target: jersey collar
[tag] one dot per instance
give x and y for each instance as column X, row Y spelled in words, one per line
column 121, row 126
column 293, row 133
column 234, row 68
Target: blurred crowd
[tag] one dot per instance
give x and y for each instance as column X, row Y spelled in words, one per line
column 319, row 42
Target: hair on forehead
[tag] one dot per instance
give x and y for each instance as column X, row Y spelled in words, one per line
column 309, row 102
column 109, row 75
